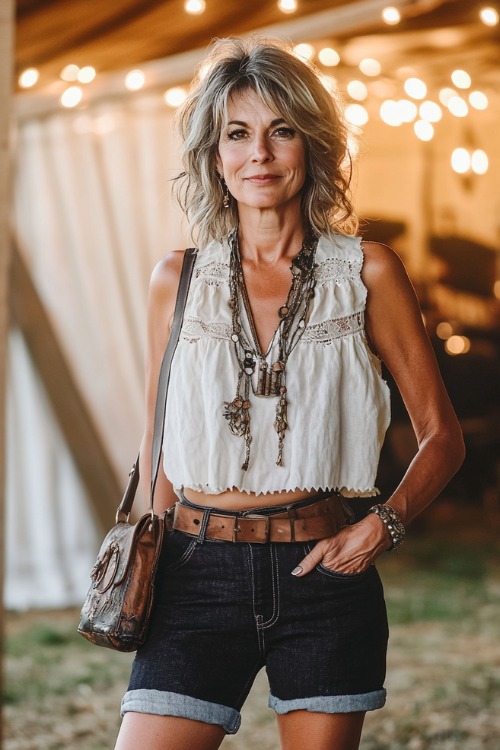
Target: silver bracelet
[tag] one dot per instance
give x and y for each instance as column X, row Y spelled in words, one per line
column 392, row 521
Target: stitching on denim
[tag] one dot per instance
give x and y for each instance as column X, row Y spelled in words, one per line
column 257, row 618
column 275, row 585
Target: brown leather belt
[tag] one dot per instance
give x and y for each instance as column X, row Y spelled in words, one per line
column 315, row 521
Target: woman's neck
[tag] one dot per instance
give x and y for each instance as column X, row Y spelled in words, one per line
column 266, row 238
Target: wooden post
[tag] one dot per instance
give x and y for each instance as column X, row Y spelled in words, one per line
column 6, row 68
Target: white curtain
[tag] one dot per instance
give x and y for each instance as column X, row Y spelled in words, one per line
column 94, row 213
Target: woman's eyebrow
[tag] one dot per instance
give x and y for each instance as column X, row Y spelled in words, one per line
column 245, row 124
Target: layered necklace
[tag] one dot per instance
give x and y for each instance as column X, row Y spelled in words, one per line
column 257, row 371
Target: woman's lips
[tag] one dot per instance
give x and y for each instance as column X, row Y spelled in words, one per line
column 263, row 179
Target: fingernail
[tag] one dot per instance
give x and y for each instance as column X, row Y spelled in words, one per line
column 296, row 571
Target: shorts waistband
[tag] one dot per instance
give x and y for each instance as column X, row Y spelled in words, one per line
column 304, row 520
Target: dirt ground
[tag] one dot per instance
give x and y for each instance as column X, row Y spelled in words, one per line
column 443, row 674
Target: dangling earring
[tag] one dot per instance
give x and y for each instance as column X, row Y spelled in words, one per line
column 225, row 193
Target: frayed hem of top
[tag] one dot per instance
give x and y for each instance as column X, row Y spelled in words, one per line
column 347, row 492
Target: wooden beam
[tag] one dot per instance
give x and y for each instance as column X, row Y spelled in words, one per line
column 6, row 66
column 82, row 437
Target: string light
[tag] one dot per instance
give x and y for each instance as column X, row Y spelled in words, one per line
column 423, row 130
column 134, row 80
column 71, row 97
column 444, row 330
column 70, row 73
column 86, row 74
column 461, row 79
column 391, row 16
column 195, row 7
column 175, row 96
column 329, row 57
column 457, row 345
column 489, row 16
column 356, row 114
column 460, row 161
column 28, row 78
column 407, row 110
column 390, row 113
column 430, row 111
column 479, row 161
column 458, row 106
column 478, row 100
column 287, row 6
column 306, row 51
column 357, row 90
column 445, row 95
column 370, row 67
column 415, row 88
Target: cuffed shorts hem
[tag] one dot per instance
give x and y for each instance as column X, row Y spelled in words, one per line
column 163, row 703
column 330, row 704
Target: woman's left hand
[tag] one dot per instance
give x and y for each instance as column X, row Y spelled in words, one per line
column 351, row 550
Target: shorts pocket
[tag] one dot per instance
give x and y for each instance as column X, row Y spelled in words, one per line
column 336, row 574
column 178, row 548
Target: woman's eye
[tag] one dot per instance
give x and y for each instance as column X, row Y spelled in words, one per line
column 284, row 132
column 236, row 135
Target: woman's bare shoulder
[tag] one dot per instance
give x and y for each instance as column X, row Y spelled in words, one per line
column 166, row 274
column 381, row 264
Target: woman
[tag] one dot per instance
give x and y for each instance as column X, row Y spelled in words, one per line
column 276, row 410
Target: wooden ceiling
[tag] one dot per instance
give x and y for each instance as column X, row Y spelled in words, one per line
column 114, row 34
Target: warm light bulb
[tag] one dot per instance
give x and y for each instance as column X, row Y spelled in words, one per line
column 479, row 161
column 444, row 330
column 478, row 100
column 370, row 67
column 357, row 90
column 329, row 57
column 430, row 111
column 86, row 74
column 423, row 130
column 287, row 6
column 134, row 80
column 460, row 160
column 445, row 95
column 356, row 114
column 407, row 110
column 489, row 16
column 391, row 16
column 72, row 96
column 306, row 51
column 415, row 88
column 461, row 79
column 69, row 73
column 458, row 106
column 28, row 78
column 457, row 345
column 390, row 113
column 174, row 97
column 194, row 7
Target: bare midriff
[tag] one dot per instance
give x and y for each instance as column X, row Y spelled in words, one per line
column 235, row 500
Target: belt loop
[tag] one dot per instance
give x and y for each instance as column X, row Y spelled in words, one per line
column 204, row 524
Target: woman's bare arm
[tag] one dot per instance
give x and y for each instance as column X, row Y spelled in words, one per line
column 161, row 304
column 396, row 333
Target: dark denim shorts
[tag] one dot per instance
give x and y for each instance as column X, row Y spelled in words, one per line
column 223, row 611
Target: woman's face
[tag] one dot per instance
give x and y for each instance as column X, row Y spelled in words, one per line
column 261, row 157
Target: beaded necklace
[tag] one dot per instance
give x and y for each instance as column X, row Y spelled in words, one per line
column 256, row 370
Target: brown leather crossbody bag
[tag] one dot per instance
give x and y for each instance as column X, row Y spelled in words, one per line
column 117, row 608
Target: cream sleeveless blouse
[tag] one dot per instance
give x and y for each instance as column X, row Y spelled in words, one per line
column 338, row 403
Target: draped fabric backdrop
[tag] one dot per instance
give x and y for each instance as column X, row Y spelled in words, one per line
column 94, row 213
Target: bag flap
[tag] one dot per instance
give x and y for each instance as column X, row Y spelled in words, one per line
column 118, row 548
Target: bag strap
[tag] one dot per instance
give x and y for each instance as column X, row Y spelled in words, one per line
column 161, row 397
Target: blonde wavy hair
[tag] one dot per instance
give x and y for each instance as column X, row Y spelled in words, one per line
column 292, row 89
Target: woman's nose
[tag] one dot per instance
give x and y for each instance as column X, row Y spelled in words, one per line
column 261, row 149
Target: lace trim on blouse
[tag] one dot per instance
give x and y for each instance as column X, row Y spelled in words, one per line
column 329, row 330
column 194, row 329
column 336, row 270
